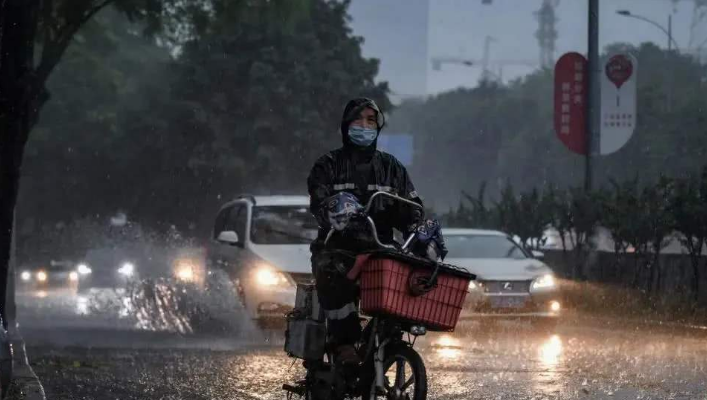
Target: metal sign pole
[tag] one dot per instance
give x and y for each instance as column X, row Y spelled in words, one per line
column 593, row 96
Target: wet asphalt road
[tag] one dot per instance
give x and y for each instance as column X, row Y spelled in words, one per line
column 94, row 357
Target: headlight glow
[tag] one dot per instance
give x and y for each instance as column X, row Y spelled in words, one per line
column 83, row 269
column 73, row 276
column 127, row 269
column 473, row 285
column 187, row 269
column 267, row 277
column 545, row 281
column 555, row 306
column 185, row 273
column 25, row 275
column 41, row 276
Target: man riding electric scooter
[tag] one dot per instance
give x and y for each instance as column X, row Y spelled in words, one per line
column 342, row 179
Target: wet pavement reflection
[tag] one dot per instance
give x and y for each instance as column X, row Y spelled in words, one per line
column 582, row 359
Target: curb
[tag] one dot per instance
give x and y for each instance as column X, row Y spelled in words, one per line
column 25, row 383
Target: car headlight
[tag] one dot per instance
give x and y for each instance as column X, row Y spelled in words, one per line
column 25, row 276
column 545, row 281
column 266, row 276
column 186, row 270
column 73, row 276
column 83, row 269
column 475, row 285
column 41, row 276
column 127, row 269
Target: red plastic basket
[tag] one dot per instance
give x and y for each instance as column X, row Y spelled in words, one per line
column 385, row 290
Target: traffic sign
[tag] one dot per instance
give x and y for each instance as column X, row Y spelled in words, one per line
column 618, row 102
column 570, row 101
column 400, row 145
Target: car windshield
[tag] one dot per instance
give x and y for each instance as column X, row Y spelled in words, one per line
column 483, row 246
column 61, row 266
column 283, row 225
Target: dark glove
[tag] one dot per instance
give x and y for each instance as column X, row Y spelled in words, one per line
column 338, row 209
column 428, row 241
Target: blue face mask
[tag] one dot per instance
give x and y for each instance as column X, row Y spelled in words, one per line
column 361, row 136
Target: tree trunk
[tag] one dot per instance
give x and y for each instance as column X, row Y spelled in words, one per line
column 695, row 261
column 18, row 25
column 658, row 273
column 634, row 283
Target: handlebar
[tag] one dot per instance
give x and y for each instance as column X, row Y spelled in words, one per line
column 372, row 224
column 392, row 196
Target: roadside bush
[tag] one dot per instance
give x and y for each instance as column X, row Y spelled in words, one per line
column 641, row 219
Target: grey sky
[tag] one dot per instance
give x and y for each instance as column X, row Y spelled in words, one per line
column 457, row 28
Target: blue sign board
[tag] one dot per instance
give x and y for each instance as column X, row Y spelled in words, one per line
column 400, row 145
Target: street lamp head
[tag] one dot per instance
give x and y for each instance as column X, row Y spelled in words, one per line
column 624, row 12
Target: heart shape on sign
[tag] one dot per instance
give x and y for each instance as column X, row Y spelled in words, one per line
column 619, row 69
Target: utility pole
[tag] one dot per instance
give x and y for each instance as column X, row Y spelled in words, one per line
column 666, row 55
column 593, row 97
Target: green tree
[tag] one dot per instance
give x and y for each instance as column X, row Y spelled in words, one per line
column 34, row 36
column 248, row 106
column 507, row 212
column 561, row 216
column 689, row 211
column 660, row 224
column 478, row 215
column 71, row 154
column 522, row 147
column 584, row 218
column 618, row 210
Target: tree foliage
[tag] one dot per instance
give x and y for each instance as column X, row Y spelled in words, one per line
column 34, row 36
column 245, row 103
column 641, row 220
column 689, row 214
column 505, row 133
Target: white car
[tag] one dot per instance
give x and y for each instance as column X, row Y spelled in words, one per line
column 262, row 242
column 511, row 283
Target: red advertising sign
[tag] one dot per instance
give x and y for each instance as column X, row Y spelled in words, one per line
column 570, row 99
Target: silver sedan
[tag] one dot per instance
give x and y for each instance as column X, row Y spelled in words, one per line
column 511, row 283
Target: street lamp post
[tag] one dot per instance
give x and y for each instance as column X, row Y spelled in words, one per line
column 668, row 31
column 671, row 42
column 594, row 96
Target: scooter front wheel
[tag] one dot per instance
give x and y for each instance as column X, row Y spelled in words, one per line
column 405, row 376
